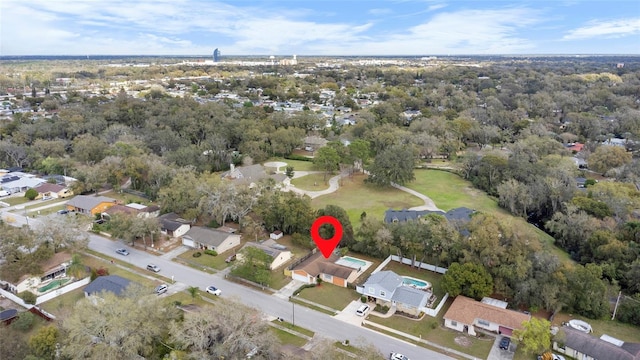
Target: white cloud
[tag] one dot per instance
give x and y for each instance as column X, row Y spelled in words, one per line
column 605, row 29
column 435, row 7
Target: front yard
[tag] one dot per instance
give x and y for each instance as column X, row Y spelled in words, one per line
column 330, row 295
column 215, row 262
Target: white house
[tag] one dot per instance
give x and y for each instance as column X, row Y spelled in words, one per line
column 210, row 239
column 465, row 314
column 387, row 288
column 279, row 253
column 276, row 235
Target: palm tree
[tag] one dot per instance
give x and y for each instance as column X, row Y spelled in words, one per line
column 76, row 268
column 193, row 290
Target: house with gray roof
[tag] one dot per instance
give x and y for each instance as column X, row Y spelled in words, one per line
column 90, row 205
column 111, row 283
column 172, row 225
column 252, row 174
column 387, row 288
column 204, row 238
column 279, row 254
column 580, row 345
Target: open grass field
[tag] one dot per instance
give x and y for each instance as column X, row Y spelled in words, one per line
column 335, row 297
column 312, row 182
column 355, row 197
column 450, row 191
column 297, row 164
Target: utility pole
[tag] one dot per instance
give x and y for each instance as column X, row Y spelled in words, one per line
column 616, row 307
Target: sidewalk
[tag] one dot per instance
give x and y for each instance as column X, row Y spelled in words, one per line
column 288, row 289
column 419, row 339
column 175, row 252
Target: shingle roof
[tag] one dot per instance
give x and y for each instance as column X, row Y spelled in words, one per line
column 111, row 283
column 466, row 310
column 89, row 202
column 599, row 349
column 316, row 264
column 268, row 250
column 207, row 236
column 48, row 187
column 387, row 280
column 410, row 296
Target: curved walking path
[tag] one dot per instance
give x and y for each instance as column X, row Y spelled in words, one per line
column 428, row 203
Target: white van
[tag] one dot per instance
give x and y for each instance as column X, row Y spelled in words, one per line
column 362, row 310
column 4, row 193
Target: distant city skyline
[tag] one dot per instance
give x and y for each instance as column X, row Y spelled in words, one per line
column 347, row 27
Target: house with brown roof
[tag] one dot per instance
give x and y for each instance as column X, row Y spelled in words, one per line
column 583, row 346
column 317, row 267
column 465, row 314
column 52, row 190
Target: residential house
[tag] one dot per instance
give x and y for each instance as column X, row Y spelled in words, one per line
column 465, row 314
column 109, row 283
column 54, row 267
column 314, row 142
column 16, row 182
column 172, row 225
column 252, row 174
column 317, row 267
column 90, row 205
column 52, row 190
column 199, row 237
column 387, row 288
column 582, row 346
column 279, row 254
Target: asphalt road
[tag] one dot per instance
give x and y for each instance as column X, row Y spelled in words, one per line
column 318, row 322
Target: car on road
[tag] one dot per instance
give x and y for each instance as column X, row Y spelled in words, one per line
column 63, row 212
column 161, row 289
column 397, row 356
column 153, row 267
column 504, row 343
column 214, row 290
column 362, row 310
column 122, row 251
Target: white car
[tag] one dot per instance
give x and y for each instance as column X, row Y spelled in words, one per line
column 362, row 310
column 161, row 289
column 397, row 356
column 122, row 252
column 214, row 290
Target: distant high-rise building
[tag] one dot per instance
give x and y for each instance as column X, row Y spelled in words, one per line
column 216, row 55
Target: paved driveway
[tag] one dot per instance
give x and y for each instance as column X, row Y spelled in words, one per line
column 348, row 314
column 499, row 354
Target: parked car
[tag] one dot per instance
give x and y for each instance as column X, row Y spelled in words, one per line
column 153, row 267
column 122, row 251
column 397, row 356
column 504, row 343
column 362, row 310
column 63, row 212
column 161, row 289
column 230, row 258
column 214, row 290
column 4, row 193
column 46, row 198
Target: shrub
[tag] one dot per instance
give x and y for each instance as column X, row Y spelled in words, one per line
column 363, row 299
column 298, row 157
column 211, row 252
column 102, row 271
column 28, row 297
column 306, row 286
column 197, row 254
column 24, row 321
column 30, row 194
column 213, row 224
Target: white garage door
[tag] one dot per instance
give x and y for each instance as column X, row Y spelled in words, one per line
column 188, row 242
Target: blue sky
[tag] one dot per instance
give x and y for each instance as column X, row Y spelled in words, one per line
column 346, row 27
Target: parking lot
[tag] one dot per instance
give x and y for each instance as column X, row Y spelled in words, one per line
column 498, row 354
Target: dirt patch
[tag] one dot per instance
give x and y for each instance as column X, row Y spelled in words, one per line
column 463, row 341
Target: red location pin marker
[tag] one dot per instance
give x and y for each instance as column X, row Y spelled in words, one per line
column 326, row 246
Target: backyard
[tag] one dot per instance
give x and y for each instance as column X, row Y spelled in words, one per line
column 357, row 197
column 312, row 182
column 430, row 276
column 298, row 165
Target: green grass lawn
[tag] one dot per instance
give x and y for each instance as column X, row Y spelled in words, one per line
column 430, row 276
column 63, row 303
column 335, row 297
column 216, row 262
column 298, row 165
column 355, row 197
column 450, row 191
column 40, row 203
column 299, row 329
column 286, row 338
column 17, row 200
column 312, row 182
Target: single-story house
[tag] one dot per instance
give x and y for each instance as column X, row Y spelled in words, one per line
column 278, row 253
column 387, row 288
column 110, row 283
column 90, row 205
column 54, row 267
column 252, row 174
column 172, row 225
column 316, row 266
column 276, row 235
column 465, row 314
column 314, row 142
column 17, row 182
column 52, row 190
column 141, row 211
column 199, row 237
column 583, row 346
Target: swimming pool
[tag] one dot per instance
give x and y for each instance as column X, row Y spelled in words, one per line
column 351, row 262
column 53, row 284
column 415, row 283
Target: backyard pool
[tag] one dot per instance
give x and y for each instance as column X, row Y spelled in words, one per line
column 351, row 262
column 415, row 283
column 53, row 284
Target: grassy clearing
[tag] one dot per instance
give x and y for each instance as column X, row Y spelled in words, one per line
column 356, row 197
column 63, row 303
column 287, row 338
column 312, row 182
column 216, row 262
column 298, row 165
column 335, row 297
column 450, row 191
column 299, row 329
column 16, row 200
column 431, row 277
